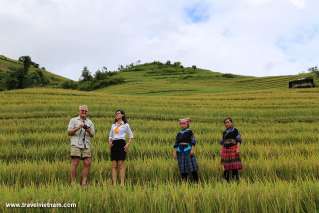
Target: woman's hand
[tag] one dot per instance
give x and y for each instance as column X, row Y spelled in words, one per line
column 174, row 154
column 110, row 144
column 126, row 147
column 192, row 152
column 237, row 150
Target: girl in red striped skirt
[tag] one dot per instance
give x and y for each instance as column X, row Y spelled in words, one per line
column 229, row 153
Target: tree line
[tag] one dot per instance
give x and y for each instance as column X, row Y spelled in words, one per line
column 22, row 76
column 87, row 82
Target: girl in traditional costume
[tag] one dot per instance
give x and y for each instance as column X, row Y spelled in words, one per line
column 184, row 151
column 230, row 158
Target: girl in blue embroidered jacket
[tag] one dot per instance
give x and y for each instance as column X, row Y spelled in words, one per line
column 184, row 151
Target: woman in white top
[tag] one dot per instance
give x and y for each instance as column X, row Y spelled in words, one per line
column 118, row 146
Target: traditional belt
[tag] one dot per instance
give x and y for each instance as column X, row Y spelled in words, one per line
column 183, row 148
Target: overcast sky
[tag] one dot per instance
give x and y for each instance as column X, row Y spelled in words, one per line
column 249, row 37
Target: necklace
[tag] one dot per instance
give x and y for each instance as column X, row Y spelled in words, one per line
column 117, row 128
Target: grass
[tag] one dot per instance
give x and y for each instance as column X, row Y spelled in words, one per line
column 160, row 79
column 281, row 196
column 279, row 151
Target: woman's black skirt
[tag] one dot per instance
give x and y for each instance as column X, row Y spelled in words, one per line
column 117, row 150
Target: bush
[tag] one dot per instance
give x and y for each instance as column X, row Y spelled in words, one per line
column 177, row 64
column 314, row 70
column 157, row 63
column 85, row 86
column 86, row 75
column 36, row 78
column 93, row 85
column 32, row 79
column 15, row 79
column 2, row 81
column 228, row 75
column 44, row 80
column 69, row 85
column 112, row 81
column 100, row 75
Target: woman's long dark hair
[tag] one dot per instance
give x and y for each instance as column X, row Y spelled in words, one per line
column 123, row 118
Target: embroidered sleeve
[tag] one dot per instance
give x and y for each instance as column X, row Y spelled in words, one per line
column 238, row 138
column 176, row 141
column 193, row 141
column 221, row 142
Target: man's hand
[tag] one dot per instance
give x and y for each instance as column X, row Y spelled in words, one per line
column 73, row 131
column 81, row 125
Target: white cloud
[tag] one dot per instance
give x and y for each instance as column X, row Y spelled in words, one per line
column 298, row 3
column 252, row 37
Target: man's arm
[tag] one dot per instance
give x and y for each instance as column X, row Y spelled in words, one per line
column 91, row 130
column 72, row 130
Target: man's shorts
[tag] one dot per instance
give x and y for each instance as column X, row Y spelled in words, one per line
column 81, row 153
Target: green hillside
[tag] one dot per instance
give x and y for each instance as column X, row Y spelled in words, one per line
column 7, row 64
column 161, row 79
column 158, row 78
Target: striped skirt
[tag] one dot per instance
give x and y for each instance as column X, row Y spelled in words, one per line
column 230, row 158
column 186, row 163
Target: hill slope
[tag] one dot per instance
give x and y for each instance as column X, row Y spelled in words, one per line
column 7, row 64
column 156, row 79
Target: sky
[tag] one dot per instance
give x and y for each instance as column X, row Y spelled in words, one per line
column 247, row 37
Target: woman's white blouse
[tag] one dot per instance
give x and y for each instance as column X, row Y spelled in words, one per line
column 121, row 133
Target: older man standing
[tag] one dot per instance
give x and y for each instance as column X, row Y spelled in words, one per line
column 81, row 129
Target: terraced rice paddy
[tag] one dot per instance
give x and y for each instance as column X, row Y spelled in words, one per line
column 279, row 151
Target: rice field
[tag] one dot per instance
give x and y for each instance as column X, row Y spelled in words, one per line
column 280, row 151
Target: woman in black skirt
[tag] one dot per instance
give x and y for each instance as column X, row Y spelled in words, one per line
column 118, row 146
